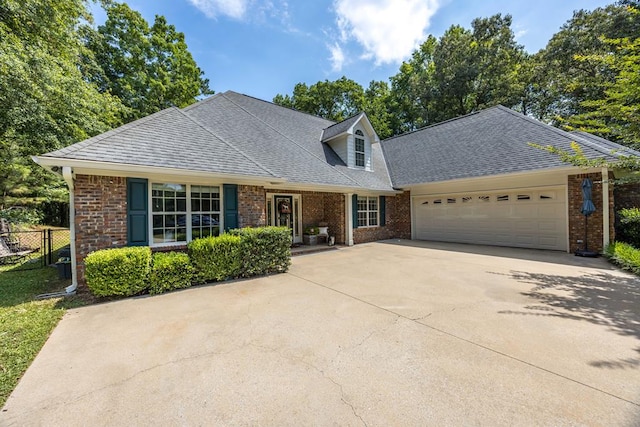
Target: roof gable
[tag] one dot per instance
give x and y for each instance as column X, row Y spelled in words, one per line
column 346, row 127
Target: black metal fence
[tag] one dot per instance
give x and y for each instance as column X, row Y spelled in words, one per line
column 27, row 250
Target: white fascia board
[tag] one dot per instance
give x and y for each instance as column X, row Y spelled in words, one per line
column 90, row 167
column 533, row 173
column 330, row 189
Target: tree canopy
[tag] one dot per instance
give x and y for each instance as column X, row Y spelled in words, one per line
column 62, row 82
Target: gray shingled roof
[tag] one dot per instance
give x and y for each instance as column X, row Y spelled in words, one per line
column 340, row 127
column 168, row 138
column 233, row 134
column 603, row 144
column 490, row 142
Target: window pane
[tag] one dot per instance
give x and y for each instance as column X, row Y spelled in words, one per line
column 373, row 218
column 157, row 221
column 182, row 205
column 373, row 203
column 206, row 205
column 169, row 205
column 195, row 205
column 158, row 235
column 215, row 205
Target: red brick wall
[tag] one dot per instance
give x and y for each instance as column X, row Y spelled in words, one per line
column 397, row 221
column 594, row 223
column 399, row 215
column 251, row 206
column 101, row 215
column 334, row 211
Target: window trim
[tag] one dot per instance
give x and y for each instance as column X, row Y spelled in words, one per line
column 359, row 136
column 377, row 211
column 189, row 231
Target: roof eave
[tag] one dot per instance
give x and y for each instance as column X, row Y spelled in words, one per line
column 567, row 169
column 92, row 167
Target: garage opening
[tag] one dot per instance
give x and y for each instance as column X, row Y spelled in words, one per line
column 530, row 218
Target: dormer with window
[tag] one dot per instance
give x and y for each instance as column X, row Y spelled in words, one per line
column 352, row 140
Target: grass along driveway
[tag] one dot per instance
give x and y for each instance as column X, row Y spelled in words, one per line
column 25, row 323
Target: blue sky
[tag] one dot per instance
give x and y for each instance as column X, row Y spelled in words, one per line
column 262, row 48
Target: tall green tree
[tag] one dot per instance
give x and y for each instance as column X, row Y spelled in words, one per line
column 333, row 100
column 462, row 71
column 616, row 115
column 46, row 101
column 567, row 78
column 148, row 68
column 412, row 95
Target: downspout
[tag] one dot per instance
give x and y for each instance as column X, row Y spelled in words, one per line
column 605, row 208
column 67, row 174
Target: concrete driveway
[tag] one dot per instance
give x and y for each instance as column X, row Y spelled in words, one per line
column 391, row 333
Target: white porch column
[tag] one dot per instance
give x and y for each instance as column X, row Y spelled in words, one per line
column 605, row 208
column 348, row 211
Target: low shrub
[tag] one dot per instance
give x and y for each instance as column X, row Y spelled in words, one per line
column 264, row 250
column 169, row 271
column 215, row 258
column 121, row 271
column 624, row 255
column 629, row 227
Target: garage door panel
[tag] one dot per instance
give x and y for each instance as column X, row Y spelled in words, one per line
column 524, row 218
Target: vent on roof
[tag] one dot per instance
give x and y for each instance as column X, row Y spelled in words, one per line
column 437, row 202
column 524, row 197
column 484, row 198
column 426, row 203
column 547, row 196
column 467, row 199
column 451, row 200
column 503, row 198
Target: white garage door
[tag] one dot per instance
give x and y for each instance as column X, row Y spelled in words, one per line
column 522, row 218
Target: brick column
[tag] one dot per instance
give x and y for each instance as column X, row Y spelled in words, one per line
column 577, row 220
column 252, row 210
column 101, row 216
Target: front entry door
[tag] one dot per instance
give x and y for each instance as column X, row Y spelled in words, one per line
column 284, row 211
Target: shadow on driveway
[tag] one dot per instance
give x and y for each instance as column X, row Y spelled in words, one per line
column 603, row 299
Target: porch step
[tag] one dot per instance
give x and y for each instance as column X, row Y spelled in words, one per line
column 309, row 249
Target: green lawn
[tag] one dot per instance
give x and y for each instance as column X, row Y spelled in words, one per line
column 25, row 323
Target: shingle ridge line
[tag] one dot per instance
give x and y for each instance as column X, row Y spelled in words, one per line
column 560, row 132
column 116, row 131
column 280, row 106
column 622, row 149
column 292, row 141
column 206, row 129
column 437, row 124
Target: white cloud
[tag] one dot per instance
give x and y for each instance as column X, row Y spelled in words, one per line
column 212, row 8
column 388, row 30
column 337, row 57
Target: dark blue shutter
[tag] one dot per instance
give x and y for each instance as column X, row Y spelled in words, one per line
column 137, row 212
column 354, row 209
column 230, row 206
column 383, row 208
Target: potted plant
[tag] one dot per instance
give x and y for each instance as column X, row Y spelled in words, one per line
column 310, row 236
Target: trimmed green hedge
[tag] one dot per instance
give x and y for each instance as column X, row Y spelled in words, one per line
column 624, row 255
column 215, row 258
column 629, row 227
column 169, row 271
column 121, row 271
column 264, row 250
column 243, row 252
